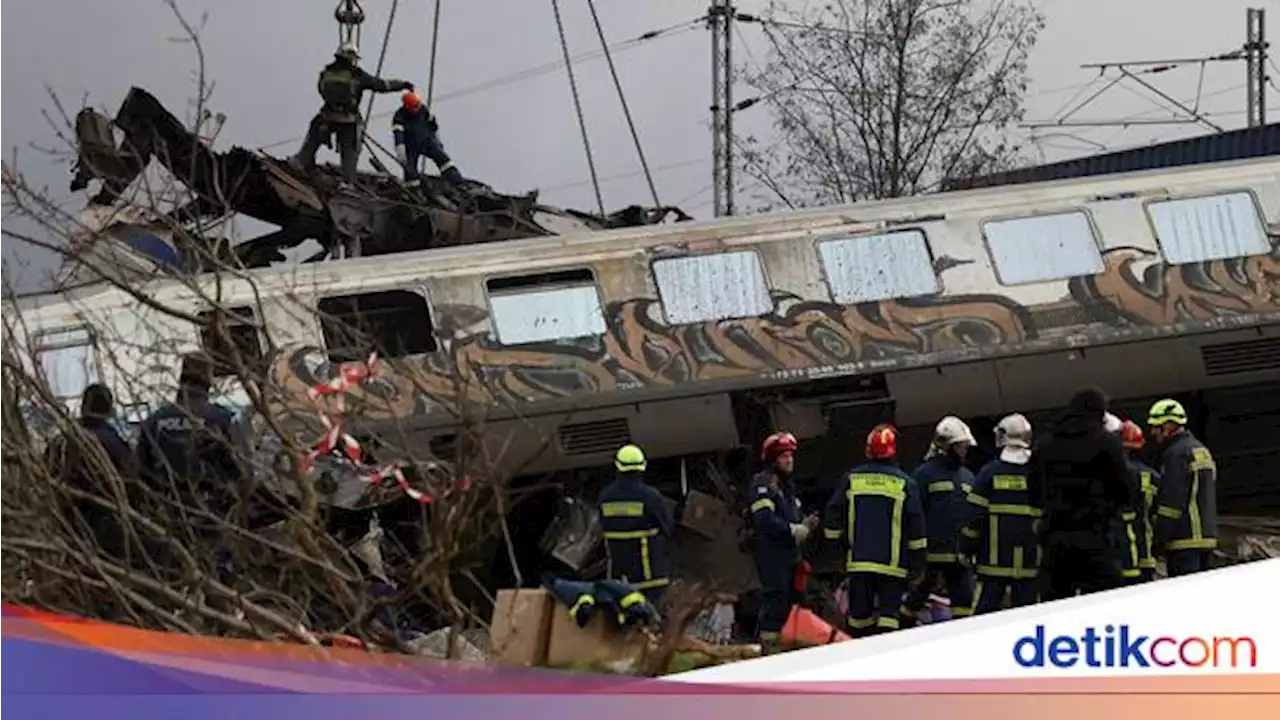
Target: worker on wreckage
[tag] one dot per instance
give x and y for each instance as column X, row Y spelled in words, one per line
column 415, row 131
column 342, row 84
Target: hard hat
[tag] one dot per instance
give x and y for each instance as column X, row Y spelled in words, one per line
column 951, row 430
column 1166, row 411
column 630, row 459
column 1131, row 435
column 348, row 50
column 882, row 442
column 1111, row 424
column 411, row 100
column 776, row 445
column 1013, row 431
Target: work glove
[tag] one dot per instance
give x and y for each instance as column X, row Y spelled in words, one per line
column 401, row 156
column 404, row 85
column 800, row 532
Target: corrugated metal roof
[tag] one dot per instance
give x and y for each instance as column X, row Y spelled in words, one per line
column 1233, row 145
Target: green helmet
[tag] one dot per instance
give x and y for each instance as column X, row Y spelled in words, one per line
column 1166, row 411
column 629, row 459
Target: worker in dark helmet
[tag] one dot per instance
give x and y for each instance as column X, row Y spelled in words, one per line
column 1137, row 563
column 1000, row 531
column 944, row 483
column 1186, row 515
column 1082, row 479
column 342, row 84
column 636, row 524
column 876, row 514
column 779, row 529
column 195, row 457
column 416, row 134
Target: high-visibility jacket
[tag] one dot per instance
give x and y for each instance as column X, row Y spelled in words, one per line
column 1000, row 531
column 1137, row 531
column 876, row 512
column 773, row 509
column 944, row 482
column 636, row 526
column 1186, row 502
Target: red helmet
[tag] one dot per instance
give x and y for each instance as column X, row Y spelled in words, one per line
column 882, row 443
column 1131, row 435
column 776, row 445
column 411, row 100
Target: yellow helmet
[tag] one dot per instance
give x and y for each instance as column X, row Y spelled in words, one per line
column 1166, row 411
column 629, row 459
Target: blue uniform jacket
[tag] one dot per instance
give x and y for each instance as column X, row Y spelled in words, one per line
column 1000, row 532
column 773, row 510
column 944, row 482
column 636, row 526
column 876, row 512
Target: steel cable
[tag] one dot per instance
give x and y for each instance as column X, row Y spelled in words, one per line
column 577, row 104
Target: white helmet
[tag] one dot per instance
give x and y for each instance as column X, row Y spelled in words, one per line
column 348, row 50
column 1013, row 431
column 951, row 430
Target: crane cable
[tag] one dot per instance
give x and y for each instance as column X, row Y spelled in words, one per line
column 435, row 43
column 577, row 103
column 622, row 98
column 382, row 56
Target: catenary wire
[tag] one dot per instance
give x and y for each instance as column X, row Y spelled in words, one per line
column 577, row 105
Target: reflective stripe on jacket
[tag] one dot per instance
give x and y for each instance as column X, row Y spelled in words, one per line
column 1001, row 527
column 1186, row 514
column 877, row 514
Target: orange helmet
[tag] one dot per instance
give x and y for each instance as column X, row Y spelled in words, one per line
column 1131, row 435
column 411, row 100
column 777, row 445
column 882, row 443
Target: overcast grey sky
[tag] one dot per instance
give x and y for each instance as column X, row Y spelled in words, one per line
column 264, row 56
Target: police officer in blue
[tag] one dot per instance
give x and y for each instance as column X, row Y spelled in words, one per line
column 944, row 482
column 1001, row 528
column 779, row 530
column 194, row 455
column 415, row 130
column 636, row 525
column 877, row 515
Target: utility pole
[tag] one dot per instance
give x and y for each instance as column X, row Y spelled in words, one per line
column 720, row 16
column 1255, row 48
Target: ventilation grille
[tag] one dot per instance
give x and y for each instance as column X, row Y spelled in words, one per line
column 1241, row 357
column 594, row 437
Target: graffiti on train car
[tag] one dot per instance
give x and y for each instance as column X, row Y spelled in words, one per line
column 1161, row 294
column 639, row 350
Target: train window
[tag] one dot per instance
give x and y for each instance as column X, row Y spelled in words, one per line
column 396, row 323
column 548, row 306
column 67, row 360
column 1208, row 228
column 703, row 288
column 241, row 340
column 1043, row 247
column 867, row 268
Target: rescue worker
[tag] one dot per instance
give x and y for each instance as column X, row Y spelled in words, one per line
column 944, row 482
column 1186, row 517
column 1082, row 480
column 192, row 453
column 779, row 529
column 1138, row 564
column 1001, row 528
column 876, row 513
column 415, row 131
column 342, row 84
column 636, row 525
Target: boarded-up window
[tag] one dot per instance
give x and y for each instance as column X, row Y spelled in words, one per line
column 1044, row 247
column 703, row 288
column 67, row 361
column 878, row 267
column 396, row 323
column 1208, row 228
column 549, row 306
column 241, row 342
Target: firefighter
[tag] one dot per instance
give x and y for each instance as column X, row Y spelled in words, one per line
column 1000, row 530
column 415, row 129
column 1186, row 517
column 342, row 83
column 1080, row 474
column 944, row 482
column 1138, row 529
column 779, row 530
column 876, row 512
column 636, row 524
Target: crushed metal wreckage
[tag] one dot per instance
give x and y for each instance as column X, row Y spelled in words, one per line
column 376, row 217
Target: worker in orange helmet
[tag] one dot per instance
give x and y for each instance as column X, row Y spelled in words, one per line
column 876, row 514
column 416, row 134
column 779, row 529
column 1136, row 534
